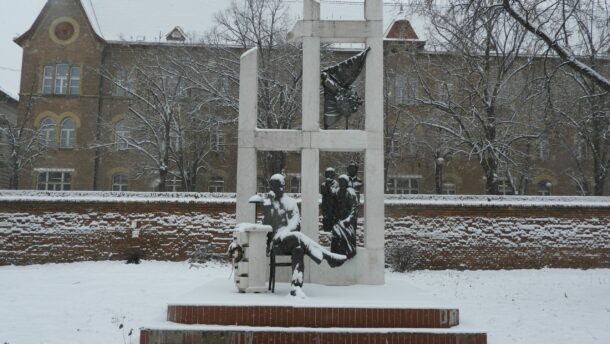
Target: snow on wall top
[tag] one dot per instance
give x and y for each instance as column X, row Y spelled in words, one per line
column 390, row 200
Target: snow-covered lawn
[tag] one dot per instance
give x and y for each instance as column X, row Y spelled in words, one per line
column 87, row 302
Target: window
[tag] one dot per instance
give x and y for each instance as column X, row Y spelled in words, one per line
column 66, row 138
column 216, row 184
column 505, row 187
column 403, row 185
column 47, row 132
column 173, row 184
column 61, row 79
column 260, row 185
column 449, row 188
column 543, row 148
column 393, row 143
column 581, row 147
column 121, row 135
column 445, row 90
column 405, row 89
column 124, row 84
column 75, row 80
column 47, row 81
column 54, row 180
column 544, row 188
column 174, row 140
column 217, row 140
column 119, row 182
column 294, row 183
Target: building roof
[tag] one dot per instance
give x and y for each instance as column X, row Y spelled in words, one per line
column 152, row 20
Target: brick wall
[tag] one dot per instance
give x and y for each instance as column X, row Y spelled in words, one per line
column 433, row 236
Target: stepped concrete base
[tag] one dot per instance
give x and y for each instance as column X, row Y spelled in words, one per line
column 392, row 313
column 197, row 334
column 315, row 317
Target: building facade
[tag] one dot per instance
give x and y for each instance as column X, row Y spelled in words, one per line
column 8, row 114
column 82, row 114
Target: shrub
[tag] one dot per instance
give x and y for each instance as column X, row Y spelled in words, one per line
column 403, row 258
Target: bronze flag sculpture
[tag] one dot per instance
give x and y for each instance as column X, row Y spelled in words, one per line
column 340, row 98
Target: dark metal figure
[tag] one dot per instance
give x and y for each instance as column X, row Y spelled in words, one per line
column 328, row 189
column 282, row 214
column 346, row 215
column 340, row 98
column 354, row 182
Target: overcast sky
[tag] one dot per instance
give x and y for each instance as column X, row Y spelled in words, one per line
column 15, row 19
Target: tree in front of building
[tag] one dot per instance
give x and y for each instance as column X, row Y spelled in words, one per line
column 577, row 34
column 477, row 88
column 244, row 25
column 25, row 144
column 170, row 125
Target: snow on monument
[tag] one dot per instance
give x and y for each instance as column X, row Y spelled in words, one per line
column 367, row 265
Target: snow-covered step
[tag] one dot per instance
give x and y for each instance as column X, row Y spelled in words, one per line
column 196, row 334
column 314, row 317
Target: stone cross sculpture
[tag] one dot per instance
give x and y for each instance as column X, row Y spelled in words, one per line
column 367, row 266
column 340, row 97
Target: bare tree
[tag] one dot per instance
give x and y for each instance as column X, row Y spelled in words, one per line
column 170, row 121
column 24, row 141
column 574, row 30
column 478, row 86
column 262, row 24
column 577, row 37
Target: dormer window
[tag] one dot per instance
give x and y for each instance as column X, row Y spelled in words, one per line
column 176, row 35
column 61, row 79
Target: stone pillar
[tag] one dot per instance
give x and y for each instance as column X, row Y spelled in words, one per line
column 310, row 158
column 246, row 153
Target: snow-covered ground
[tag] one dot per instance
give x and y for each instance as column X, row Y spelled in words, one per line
column 87, row 302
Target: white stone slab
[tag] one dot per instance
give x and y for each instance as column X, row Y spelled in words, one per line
column 278, row 140
column 329, row 30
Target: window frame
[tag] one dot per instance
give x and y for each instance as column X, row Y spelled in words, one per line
column 216, row 184
column 48, row 134
column 68, row 133
column 125, row 84
column 120, row 185
column 411, row 187
column 217, row 140
column 68, row 84
column 63, row 184
column 121, row 140
column 48, row 79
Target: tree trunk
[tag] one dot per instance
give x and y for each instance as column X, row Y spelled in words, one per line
column 599, row 179
column 14, row 181
column 491, row 174
column 162, row 180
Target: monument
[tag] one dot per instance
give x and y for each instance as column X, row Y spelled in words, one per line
column 367, row 263
column 216, row 315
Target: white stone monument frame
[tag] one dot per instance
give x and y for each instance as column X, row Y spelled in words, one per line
column 367, row 267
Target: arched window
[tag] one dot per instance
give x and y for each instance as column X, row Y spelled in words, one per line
column 119, row 182
column 47, row 132
column 66, row 138
column 121, row 135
